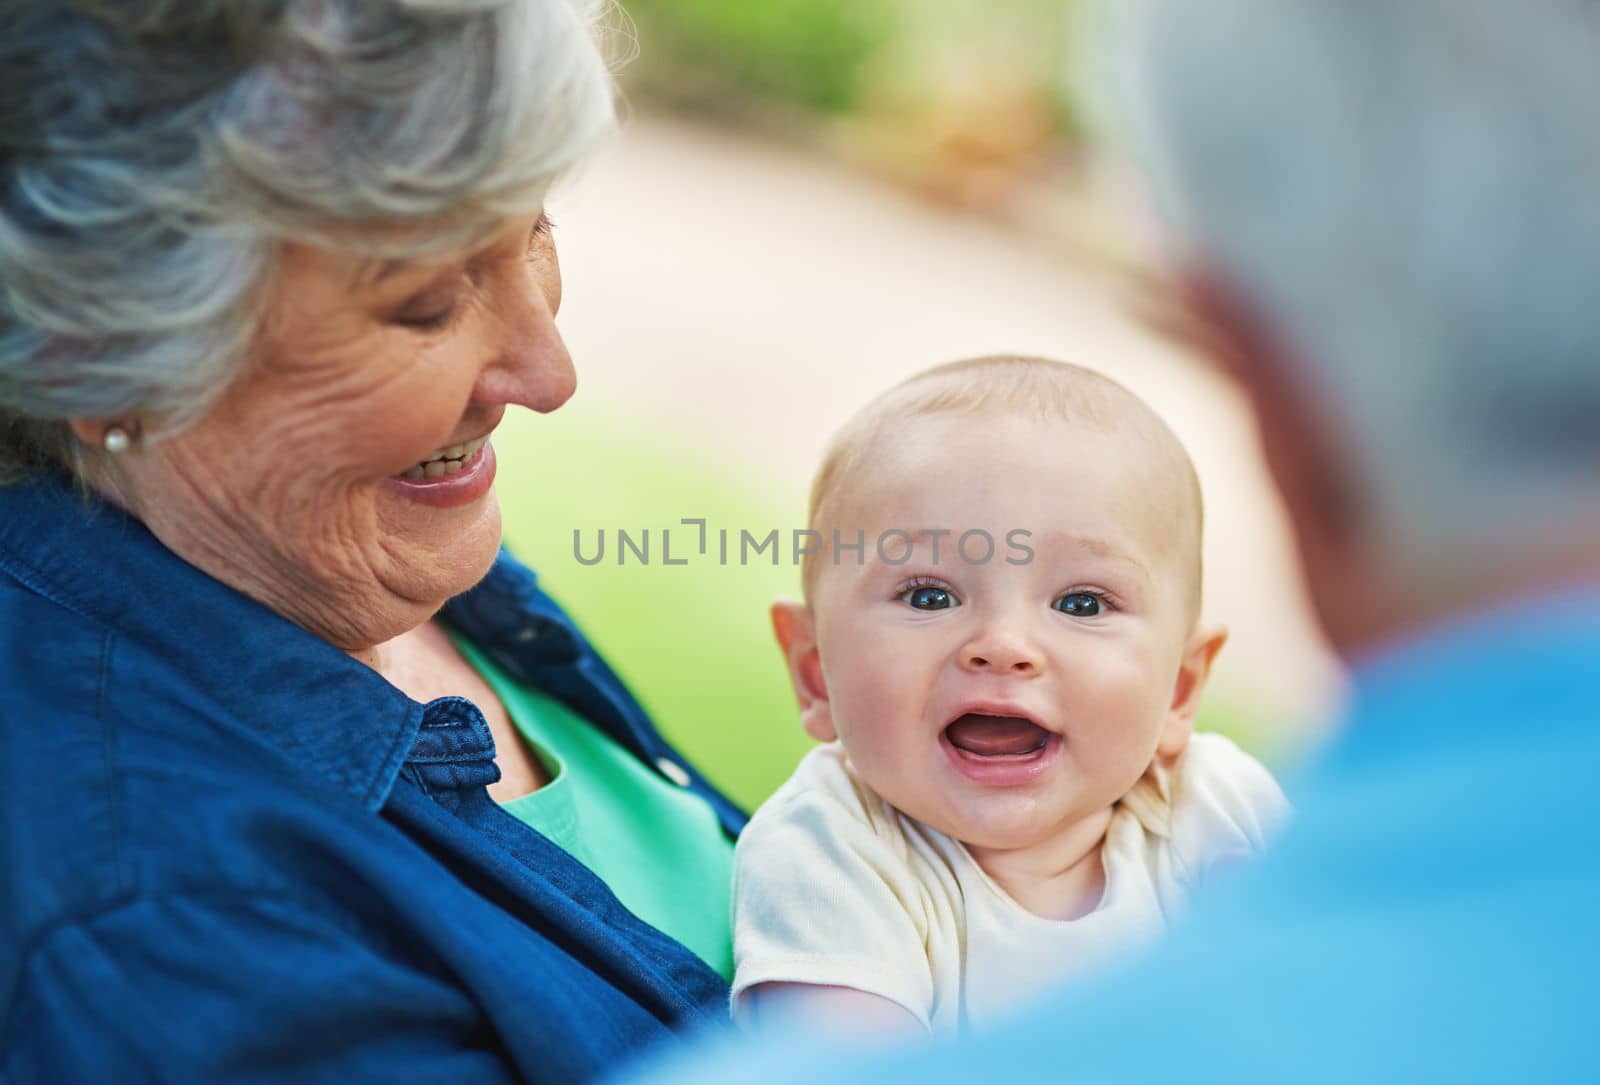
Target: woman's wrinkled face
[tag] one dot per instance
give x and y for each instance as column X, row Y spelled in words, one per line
column 345, row 478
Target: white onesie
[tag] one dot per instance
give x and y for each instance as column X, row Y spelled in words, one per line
column 833, row 886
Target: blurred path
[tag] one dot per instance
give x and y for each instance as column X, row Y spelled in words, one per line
column 752, row 296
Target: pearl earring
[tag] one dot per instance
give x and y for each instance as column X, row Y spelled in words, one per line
column 117, row 440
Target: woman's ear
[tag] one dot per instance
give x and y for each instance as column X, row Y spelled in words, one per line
column 1193, row 670
column 112, row 435
column 796, row 631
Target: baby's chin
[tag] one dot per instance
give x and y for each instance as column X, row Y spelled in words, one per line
column 997, row 822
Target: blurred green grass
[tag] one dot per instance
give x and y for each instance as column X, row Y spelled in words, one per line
column 691, row 641
column 736, row 57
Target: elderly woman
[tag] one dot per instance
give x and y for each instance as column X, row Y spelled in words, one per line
column 271, row 707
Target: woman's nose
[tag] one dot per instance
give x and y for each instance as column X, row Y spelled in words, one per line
column 529, row 363
column 1002, row 651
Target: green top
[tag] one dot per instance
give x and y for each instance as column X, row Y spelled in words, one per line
column 657, row 846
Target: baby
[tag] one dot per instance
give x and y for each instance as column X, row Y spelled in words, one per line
column 1000, row 649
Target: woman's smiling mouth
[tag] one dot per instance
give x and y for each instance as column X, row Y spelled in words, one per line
column 452, row 476
column 445, row 461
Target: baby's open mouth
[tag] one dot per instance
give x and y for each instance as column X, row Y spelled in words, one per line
column 978, row 735
column 446, row 461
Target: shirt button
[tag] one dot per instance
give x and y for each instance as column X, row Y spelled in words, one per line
column 673, row 771
column 526, row 633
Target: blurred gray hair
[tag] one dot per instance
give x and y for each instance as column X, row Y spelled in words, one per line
column 153, row 155
column 1410, row 192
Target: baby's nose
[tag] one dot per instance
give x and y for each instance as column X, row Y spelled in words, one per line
column 1000, row 653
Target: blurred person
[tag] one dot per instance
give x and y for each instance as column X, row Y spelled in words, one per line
column 1385, row 225
column 1001, row 649
column 272, row 275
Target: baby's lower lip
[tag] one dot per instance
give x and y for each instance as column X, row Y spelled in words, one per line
column 1002, row 770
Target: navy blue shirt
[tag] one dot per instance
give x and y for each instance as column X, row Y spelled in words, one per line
column 230, row 852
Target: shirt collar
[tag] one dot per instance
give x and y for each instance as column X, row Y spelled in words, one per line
column 257, row 669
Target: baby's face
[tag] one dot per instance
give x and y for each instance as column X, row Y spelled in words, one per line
column 1004, row 701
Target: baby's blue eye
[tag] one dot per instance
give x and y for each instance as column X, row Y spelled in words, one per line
column 1079, row 604
column 928, row 598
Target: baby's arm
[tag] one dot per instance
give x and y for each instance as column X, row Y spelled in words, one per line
column 1226, row 808
column 826, row 922
column 838, row 1009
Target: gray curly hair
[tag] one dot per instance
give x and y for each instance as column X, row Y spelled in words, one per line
column 154, row 155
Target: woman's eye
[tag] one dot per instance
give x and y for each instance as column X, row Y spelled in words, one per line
column 540, row 239
column 427, row 314
column 930, row 598
column 429, row 322
column 1079, row 604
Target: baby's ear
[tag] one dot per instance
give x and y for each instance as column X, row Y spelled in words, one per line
column 1193, row 670
column 796, row 631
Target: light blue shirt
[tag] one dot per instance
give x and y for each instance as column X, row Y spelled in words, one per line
column 1433, row 913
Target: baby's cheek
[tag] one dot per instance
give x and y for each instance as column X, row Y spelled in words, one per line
column 864, row 733
column 1119, row 744
column 871, row 720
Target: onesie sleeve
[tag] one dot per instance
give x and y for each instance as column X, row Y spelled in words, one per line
column 823, row 894
column 1226, row 807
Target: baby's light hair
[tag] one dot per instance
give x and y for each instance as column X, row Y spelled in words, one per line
column 1037, row 389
